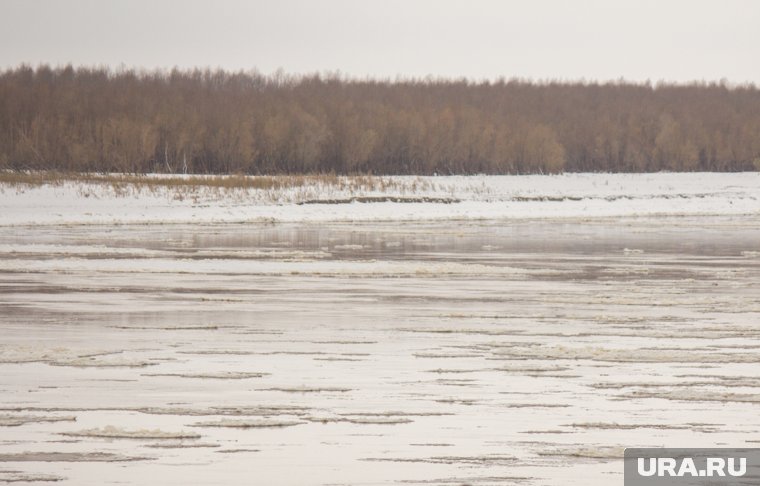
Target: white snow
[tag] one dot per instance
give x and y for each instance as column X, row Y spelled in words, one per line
column 476, row 197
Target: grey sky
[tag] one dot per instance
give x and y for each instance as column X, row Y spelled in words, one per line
column 676, row 40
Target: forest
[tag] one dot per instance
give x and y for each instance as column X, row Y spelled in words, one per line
column 216, row 122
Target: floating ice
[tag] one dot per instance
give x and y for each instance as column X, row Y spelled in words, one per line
column 111, row 432
column 249, row 424
column 222, row 375
column 601, row 452
column 67, row 457
column 16, row 420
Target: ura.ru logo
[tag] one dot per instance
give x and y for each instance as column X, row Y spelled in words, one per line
column 714, row 466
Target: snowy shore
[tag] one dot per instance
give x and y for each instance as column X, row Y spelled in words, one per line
column 404, row 199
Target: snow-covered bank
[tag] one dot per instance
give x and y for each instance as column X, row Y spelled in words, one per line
column 455, row 197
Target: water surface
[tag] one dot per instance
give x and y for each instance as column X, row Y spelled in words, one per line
column 448, row 353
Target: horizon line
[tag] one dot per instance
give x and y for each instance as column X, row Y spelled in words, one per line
column 399, row 78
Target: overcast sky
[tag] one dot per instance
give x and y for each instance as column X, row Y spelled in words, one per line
column 674, row 40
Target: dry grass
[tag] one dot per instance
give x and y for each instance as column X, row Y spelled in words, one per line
column 180, row 187
column 39, row 178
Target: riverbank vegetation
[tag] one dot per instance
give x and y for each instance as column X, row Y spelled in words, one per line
column 214, row 122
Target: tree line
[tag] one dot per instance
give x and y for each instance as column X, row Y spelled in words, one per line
column 213, row 121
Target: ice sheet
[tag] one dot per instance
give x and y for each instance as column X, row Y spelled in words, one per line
column 483, row 352
column 475, row 197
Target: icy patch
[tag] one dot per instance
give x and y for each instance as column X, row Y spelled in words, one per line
column 223, row 375
column 67, row 457
column 26, row 354
column 719, row 383
column 335, row 358
column 19, row 477
column 605, row 452
column 473, row 481
column 249, row 424
column 536, row 405
column 445, row 355
column 378, row 420
column 344, row 342
column 484, row 460
column 348, row 247
column 309, row 389
column 363, row 420
column 338, row 268
column 94, row 362
column 78, row 251
column 16, row 420
column 531, row 369
column 70, row 357
column 649, row 355
column 228, row 411
column 182, row 445
column 111, row 432
column 457, row 401
column 210, row 327
column 695, row 396
column 616, row 426
column 236, row 451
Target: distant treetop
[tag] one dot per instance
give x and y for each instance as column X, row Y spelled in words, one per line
column 204, row 121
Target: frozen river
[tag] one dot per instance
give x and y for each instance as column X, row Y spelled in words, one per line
column 483, row 353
